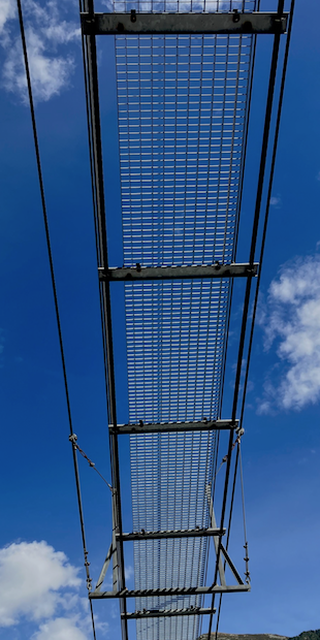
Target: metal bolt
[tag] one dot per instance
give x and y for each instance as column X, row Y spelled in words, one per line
column 236, row 15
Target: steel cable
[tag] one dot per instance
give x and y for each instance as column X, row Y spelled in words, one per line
column 55, row 297
column 263, row 160
column 94, row 130
column 266, row 218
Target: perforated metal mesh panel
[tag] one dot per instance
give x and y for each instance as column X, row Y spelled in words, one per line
column 176, row 344
column 169, row 472
column 178, row 6
column 182, row 104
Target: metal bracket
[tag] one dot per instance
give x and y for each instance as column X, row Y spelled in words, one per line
column 178, row 272
column 168, row 613
column 216, row 539
column 184, row 533
column 170, row 591
column 104, row 569
column 218, row 543
column 213, row 531
column 168, row 427
column 112, row 554
column 152, row 23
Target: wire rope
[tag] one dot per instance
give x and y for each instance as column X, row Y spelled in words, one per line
column 55, row 297
column 263, row 160
column 94, row 131
column 272, row 169
column 266, row 218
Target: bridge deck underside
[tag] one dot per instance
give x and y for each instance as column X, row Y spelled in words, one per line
column 182, row 103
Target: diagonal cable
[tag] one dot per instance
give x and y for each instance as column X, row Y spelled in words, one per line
column 55, row 297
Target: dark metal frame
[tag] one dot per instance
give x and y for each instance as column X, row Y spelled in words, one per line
column 94, row 132
column 172, row 427
column 182, row 533
column 120, row 274
column 96, row 24
column 175, row 591
column 164, row 613
column 153, row 23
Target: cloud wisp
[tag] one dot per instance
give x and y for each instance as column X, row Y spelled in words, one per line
column 275, row 201
column 38, row 585
column 60, row 629
column 46, row 33
column 291, row 321
column 7, row 12
column 32, row 576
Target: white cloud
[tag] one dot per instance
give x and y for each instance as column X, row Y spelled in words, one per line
column 60, row 629
column 129, row 572
column 7, row 12
column 39, row 586
column 32, row 576
column 292, row 319
column 46, row 32
column 275, row 201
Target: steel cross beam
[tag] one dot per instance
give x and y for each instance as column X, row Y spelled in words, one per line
column 116, row 274
column 152, row 23
column 169, row 591
column 168, row 613
column 167, row 427
column 184, row 533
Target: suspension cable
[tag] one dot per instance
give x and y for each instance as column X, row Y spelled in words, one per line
column 262, row 168
column 266, row 219
column 55, row 297
column 264, row 233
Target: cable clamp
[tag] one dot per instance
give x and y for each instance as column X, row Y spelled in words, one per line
column 89, row 585
column 73, row 438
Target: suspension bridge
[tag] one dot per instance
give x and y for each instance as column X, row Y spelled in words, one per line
column 185, row 73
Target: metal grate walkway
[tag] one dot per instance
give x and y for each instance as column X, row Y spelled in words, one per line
column 182, row 104
column 181, row 6
column 184, row 76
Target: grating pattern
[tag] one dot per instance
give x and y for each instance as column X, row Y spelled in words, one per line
column 178, row 6
column 182, row 103
column 175, row 335
column 169, row 472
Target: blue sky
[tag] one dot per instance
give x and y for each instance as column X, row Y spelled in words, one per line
column 42, row 586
